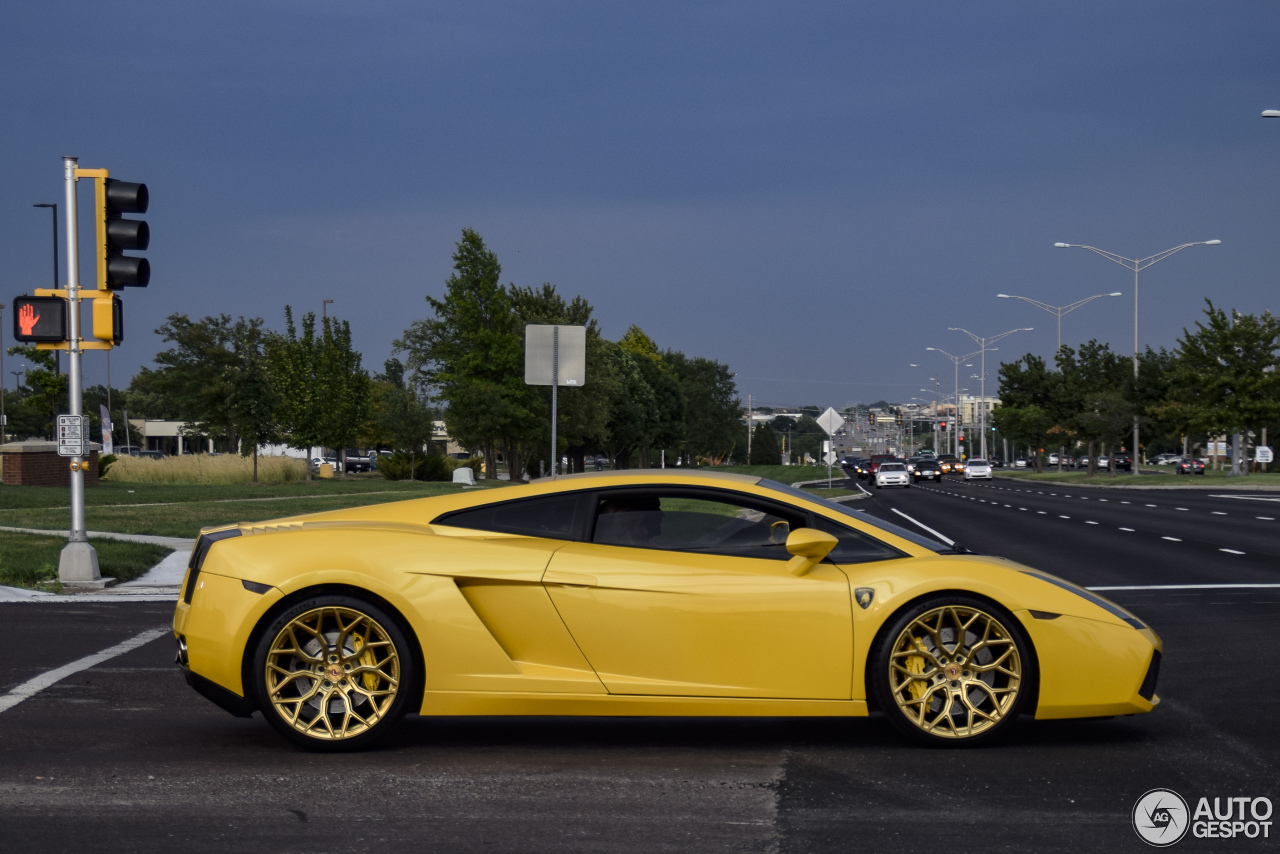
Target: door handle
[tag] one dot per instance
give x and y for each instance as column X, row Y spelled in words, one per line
column 568, row 579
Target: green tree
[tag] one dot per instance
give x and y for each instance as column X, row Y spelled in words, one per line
column 711, row 405
column 253, row 400
column 472, row 354
column 344, row 386
column 632, row 409
column 401, row 413
column 41, row 396
column 764, row 446
column 295, row 370
column 1227, row 372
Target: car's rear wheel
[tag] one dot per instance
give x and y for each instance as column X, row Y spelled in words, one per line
column 333, row 672
column 953, row 671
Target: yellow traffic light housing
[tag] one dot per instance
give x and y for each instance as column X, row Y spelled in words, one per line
column 108, row 319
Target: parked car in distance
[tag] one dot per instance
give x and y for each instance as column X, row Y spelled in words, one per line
column 1020, row 463
column 1122, row 462
column 1189, row 465
column 977, row 470
column 150, row 455
column 1053, row 459
column 927, row 469
column 1082, row 462
column 892, row 474
column 1166, row 459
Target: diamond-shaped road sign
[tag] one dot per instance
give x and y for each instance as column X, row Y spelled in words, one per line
column 830, row 421
column 829, row 458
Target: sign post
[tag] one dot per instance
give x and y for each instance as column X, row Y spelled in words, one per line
column 831, row 422
column 555, row 355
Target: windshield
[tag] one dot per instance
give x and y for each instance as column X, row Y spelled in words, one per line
column 978, row 463
column 866, row 518
column 892, row 467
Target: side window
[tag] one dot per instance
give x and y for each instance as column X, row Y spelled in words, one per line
column 555, row 516
column 694, row 521
column 854, row 546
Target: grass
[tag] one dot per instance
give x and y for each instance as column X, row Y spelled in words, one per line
column 833, row 493
column 785, row 474
column 26, row 559
column 202, row 468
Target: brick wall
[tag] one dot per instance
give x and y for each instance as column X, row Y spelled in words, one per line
column 44, row 469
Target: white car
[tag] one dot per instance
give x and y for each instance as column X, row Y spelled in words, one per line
column 977, row 469
column 893, row 474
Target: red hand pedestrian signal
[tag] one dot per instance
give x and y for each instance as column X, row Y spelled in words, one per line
column 27, row 319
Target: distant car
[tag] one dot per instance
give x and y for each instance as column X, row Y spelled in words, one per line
column 1166, row 459
column 1053, row 459
column 877, row 460
column 978, row 470
column 1020, row 463
column 150, row 455
column 927, row 470
column 1189, row 465
column 998, row 464
column 1104, row 462
column 1123, row 462
column 951, row 464
column 1082, row 462
column 892, row 474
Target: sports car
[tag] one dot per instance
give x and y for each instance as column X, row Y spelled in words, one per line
column 640, row 593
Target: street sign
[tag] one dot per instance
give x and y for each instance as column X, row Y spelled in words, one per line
column 543, row 354
column 830, row 458
column 1263, row 454
column 830, row 421
column 73, row 435
column 1218, row 448
column 40, row 319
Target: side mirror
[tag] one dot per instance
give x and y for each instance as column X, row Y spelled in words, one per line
column 809, row 546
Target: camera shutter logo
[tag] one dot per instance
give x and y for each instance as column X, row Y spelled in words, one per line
column 1161, row 818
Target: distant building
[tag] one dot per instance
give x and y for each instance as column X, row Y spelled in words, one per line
column 972, row 408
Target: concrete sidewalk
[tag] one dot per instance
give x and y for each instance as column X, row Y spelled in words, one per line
column 158, row 584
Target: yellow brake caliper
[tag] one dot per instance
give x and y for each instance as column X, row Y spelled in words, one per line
column 915, row 666
column 367, row 659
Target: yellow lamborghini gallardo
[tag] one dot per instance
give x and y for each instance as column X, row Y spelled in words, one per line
column 640, row 593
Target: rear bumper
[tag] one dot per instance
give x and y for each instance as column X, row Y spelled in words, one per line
column 219, row 696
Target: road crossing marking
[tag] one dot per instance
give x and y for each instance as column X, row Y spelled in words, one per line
column 37, row 684
column 1231, row 551
column 1171, row 539
column 1130, row 530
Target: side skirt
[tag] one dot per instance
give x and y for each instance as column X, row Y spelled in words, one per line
column 487, row 703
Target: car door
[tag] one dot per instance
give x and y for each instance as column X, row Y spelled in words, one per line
column 685, row 592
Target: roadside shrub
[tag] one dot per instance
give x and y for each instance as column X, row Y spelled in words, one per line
column 425, row 467
column 203, row 468
column 104, row 464
column 475, row 464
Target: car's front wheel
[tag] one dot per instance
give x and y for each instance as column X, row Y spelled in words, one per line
column 333, row 672
column 953, row 671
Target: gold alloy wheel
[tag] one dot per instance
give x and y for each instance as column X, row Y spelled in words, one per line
column 332, row 673
column 955, row 671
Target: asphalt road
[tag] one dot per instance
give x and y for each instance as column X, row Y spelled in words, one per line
column 124, row 757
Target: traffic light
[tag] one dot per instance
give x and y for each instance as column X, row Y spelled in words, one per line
column 942, row 425
column 108, row 319
column 40, row 319
column 116, row 234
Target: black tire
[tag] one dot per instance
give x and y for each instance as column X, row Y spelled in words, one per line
column 371, row 703
column 947, row 700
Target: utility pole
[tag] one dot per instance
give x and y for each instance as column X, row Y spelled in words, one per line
column 78, row 562
column 749, row 426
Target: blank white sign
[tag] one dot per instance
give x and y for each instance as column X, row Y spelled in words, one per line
column 539, row 344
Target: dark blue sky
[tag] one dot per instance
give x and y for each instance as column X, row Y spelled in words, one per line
column 810, row 192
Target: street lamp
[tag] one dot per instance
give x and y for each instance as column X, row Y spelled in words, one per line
column 3, row 424
column 1271, row 114
column 324, row 309
column 1137, row 265
column 955, row 360
column 985, row 344
column 57, row 354
column 1059, row 310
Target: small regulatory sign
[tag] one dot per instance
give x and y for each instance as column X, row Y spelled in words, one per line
column 1263, row 454
column 73, row 435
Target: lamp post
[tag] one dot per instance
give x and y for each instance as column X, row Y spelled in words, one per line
column 985, row 344
column 1059, row 310
column 1137, row 265
column 57, row 354
column 324, row 309
column 955, row 360
column 3, row 423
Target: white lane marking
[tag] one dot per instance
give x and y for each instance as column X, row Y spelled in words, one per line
column 1090, row 523
column 1231, row 551
column 37, row 684
column 864, row 492
column 1022, row 508
column 1042, row 513
column 1151, row 505
column 946, row 540
column 1246, row 497
column 1171, row 539
column 1104, row 500
column 1190, row 587
column 1217, row 513
column 1181, row 508
column 1130, row 530
column 1266, row 518
column 1064, row 517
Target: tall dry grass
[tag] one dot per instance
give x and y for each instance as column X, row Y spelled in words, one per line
column 201, row 468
